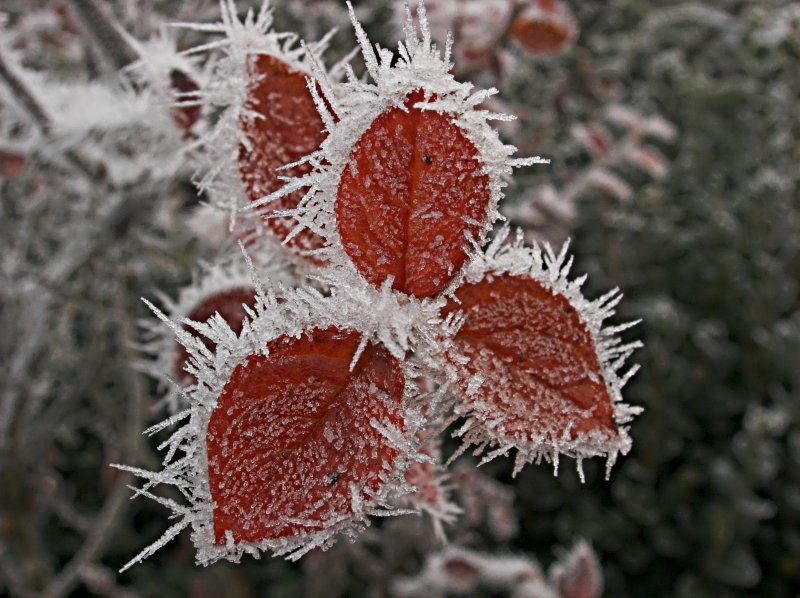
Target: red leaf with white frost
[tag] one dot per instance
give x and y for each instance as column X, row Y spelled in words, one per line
column 544, row 28
column 228, row 304
column 539, row 364
column 291, row 434
column 414, row 186
column 288, row 128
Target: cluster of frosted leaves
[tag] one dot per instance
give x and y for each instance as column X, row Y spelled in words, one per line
column 307, row 414
column 268, row 122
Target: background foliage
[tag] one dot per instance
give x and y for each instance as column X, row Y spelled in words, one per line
column 706, row 504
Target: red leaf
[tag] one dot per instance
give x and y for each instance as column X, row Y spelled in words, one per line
column 229, row 305
column 291, row 128
column 544, row 28
column 11, row 163
column 540, row 366
column 413, row 187
column 185, row 91
column 291, row 432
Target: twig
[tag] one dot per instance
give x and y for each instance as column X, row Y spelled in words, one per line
column 104, row 31
column 25, row 97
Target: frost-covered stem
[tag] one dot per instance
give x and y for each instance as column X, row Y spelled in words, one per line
column 96, row 542
column 104, row 31
column 115, row 505
column 24, row 97
column 20, row 361
column 9, row 569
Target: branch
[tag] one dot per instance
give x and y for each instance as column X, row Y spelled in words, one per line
column 25, row 97
column 104, row 30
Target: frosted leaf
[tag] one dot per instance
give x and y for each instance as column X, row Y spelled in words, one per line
column 222, row 288
column 648, row 159
column 549, row 367
column 298, row 429
column 655, row 126
column 378, row 176
column 281, row 125
column 268, row 118
column 291, row 434
column 409, row 214
column 174, row 76
column 608, row 182
column 595, row 138
column 544, row 28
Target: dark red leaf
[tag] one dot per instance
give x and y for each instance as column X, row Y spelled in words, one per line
column 414, row 186
column 291, row 432
column 537, row 357
column 544, row 29
column 229, row 305
column 185, row 91
column 290, row 129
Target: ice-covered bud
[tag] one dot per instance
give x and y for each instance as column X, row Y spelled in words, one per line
column 661, row 128
column 607, row 182
column 625, row 117
column 647, row 159
column 544, row 28
column 595, row 138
